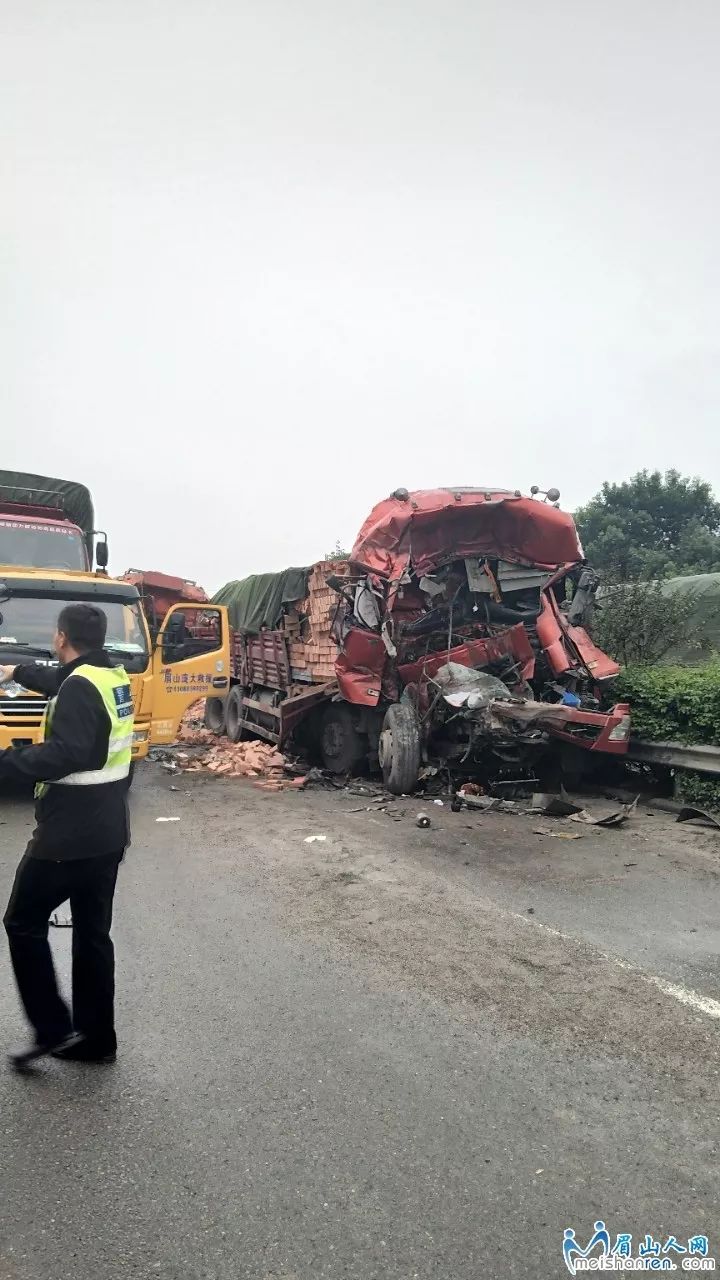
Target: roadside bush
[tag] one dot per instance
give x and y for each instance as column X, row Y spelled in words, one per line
column 698, row 789
column 677, row 704
column 673, row 704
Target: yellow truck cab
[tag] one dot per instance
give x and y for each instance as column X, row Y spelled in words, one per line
column 189, row 659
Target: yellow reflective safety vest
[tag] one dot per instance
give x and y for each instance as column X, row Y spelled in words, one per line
column 113, row 685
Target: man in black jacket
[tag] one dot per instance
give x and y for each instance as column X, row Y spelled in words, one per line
column 81, row 775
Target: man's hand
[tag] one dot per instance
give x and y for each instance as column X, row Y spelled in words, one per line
column 6, row 674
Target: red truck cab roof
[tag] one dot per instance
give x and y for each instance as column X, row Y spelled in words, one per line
column 429, row 527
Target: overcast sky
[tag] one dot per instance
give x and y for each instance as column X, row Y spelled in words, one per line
column 264, row 262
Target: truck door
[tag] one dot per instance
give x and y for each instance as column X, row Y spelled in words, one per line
column 191, row 660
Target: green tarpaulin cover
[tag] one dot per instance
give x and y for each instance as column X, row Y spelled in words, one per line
column 44, row 491
column 257, row 602
column 706, row 610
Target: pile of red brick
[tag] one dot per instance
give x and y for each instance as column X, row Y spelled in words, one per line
column 312, row 648
column 192, row 727
column 259, row 761
column 254, row 760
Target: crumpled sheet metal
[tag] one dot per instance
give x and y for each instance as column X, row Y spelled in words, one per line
column 691, row 814
column 616, row 818
column 529, row 712
column 473, row 522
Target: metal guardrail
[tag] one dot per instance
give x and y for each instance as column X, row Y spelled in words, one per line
column 678, row 755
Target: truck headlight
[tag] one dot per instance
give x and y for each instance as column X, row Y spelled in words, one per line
column 621, row 732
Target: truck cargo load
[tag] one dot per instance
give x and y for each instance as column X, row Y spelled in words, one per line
column 283, row 650
column 257, row 603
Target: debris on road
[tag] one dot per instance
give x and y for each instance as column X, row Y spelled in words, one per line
column 167, row 819
column 549, row 806
column 554, row 806
column 315, row 839
column 422, row 820
column 617, row 818
column 690, row 814
column 261, row 762
column 559, row 835
column 249, row 759
column 485, row 804
column 61, row 922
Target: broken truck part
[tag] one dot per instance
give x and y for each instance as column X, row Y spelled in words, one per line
column 453, row 635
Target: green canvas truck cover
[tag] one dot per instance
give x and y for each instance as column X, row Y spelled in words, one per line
column 45, row 491
column 256, row 603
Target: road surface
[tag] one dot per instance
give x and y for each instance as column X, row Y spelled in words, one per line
column 387, row 1053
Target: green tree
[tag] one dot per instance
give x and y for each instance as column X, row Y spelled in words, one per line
column 652, row 526
column 640, row 623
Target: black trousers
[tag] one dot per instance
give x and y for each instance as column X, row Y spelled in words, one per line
column 40, row 886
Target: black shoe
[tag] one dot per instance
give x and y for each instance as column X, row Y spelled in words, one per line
column 23, row 1062
column 80, row 1049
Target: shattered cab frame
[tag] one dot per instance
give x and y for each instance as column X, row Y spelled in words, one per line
column 448, row 585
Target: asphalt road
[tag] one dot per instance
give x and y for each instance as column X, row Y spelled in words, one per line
column 390, row 1053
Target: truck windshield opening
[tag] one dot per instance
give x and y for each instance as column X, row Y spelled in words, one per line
column 27, row 627
column 41, row 546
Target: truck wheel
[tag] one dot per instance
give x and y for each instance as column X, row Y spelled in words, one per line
column 215, row 714
column 341, row 745
column 234, row 726
column 400, row 749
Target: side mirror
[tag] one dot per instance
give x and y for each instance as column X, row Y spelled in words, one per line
column 101, row 554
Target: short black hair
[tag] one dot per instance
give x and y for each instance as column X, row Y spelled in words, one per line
column 84, row 625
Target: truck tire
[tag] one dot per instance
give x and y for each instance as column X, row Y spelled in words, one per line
column 400, row 749
column 234, row 726
column 341, row 745
column 215, row 714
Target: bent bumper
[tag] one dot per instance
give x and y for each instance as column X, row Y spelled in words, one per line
column 597, row 731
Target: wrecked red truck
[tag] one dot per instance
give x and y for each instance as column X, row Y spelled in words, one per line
column 453, row 637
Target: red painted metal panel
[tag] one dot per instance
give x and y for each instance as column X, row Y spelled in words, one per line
column 512, row 643
column 554, row 632
column 436, row 525
column 360, row 667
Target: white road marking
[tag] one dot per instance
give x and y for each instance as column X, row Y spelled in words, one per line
column 684, row 995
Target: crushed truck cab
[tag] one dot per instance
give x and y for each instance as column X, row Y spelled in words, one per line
column 468, row 606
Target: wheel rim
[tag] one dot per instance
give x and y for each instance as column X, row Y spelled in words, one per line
column 385, row 750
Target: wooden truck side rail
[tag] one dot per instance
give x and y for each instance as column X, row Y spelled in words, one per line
column 270, row 696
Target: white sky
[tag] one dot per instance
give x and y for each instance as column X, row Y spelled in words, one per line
column 263, row 262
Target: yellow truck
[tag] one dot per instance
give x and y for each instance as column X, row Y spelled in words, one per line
column 48, row 545
column 189, row 658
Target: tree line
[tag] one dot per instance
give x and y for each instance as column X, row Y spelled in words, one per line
column 654, row 525
column 638, row 534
